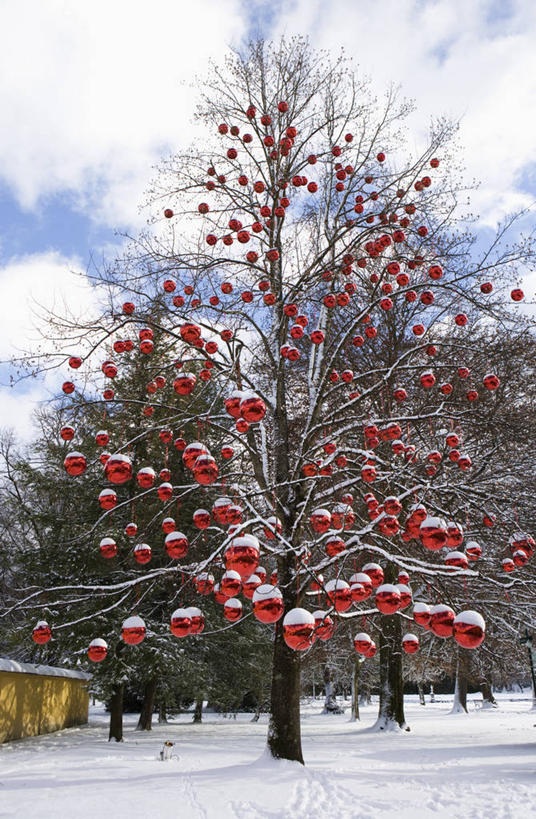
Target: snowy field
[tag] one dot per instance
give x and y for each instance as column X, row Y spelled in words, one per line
column 478, row 765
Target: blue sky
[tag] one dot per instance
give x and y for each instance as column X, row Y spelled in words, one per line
column 93, row 95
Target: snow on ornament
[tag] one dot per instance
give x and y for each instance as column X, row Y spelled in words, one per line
column 146, row 477
column 320, row 520
column 204, row 583
column 298, row 629
column 272, row 527
column 362, row 642
column 250, row 584
column 197, row 619
column 334, row 545
column 97, row 650
column 41, row 633
column 433, row 533
column 107, row 499
column 267, row 603
column 165, row 491
column 469, row 629
column 168, row 525
column 338, row 594
column 231, row 583
column 375, row 573
column 406, row 597
column 176, row 545
column 508, row 564
column 422, row 614
column 232, row 609
column 410, row 643
column 242, row 555
column 133, row 630
column 142, row 553
column 205, row 470
column 360, row 587
column 387, row 598
column 324, row 626
column 108, row 547
column 201, row 518
column 457, row 560
column 75, row 464
column 118, row 468
column 180, row 623
column 473, row 550
column 442, row 620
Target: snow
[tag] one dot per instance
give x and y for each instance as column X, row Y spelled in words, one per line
column 472, row 618
column 44, row 670
column 479, row 765
column 298, row 617
column 133, row 622
column 266, row 592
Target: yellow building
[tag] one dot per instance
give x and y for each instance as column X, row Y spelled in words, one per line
column 37, row 699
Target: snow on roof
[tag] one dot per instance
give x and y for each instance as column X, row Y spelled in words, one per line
column 43, row 670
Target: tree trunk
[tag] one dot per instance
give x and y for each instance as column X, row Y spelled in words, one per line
column 116, row 714
column 420, row 688
column 391, row 710
column 432, row 693
column 162, row 714
column 198, row 710
column 145, row 721
column 355, row 690
column 460, row 689
column 488, row 700
column 284, row 732
column 330, row 699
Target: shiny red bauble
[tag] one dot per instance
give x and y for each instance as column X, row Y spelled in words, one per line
column 469, row 629
column 107, row 499
column 176, row 545
column 232, row 609
column 433, row 533
column 97, row 650
column 324, row 626
column 242, row 555
column 118, row 468
column 142, row 553
column 75, row 464
column 422, row 614
column 410, row 643
column 41, row 633
column 133, row 630
column 442, row 620
column 387, row 598
column 362, row 642
column 298, row 629
column 205, row 470
column 338, row 594
column 180, row 623
column 267, row 603
column 375, row 573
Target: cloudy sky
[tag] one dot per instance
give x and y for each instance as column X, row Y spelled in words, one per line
column 92, row 94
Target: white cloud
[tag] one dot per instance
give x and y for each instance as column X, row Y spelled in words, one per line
column 475, row 60
column 30, row 286
column 93, row 93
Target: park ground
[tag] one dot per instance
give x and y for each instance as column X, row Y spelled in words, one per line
column 481, row 765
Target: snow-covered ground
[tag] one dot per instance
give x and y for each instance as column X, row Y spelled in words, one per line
column 478, row 765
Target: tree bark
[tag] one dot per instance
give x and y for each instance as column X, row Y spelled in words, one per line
column 284, row 732
column 420, row 688
column 391, row 710
column 198, row 710
column 460, row 688
column 116, row 714
column 488, row 700
column 330, row 699
column 355, row 690
column 145, row 721
column 432, row 693
column 162, row 714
